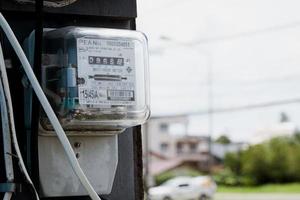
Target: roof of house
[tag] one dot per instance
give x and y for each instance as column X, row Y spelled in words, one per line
column 161, row 166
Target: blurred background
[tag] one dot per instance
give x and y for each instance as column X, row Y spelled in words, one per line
column 225, row 98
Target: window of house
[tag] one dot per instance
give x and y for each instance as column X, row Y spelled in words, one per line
column 164, row 127
column 193, row 148
column 164, row 147
column 179, row 147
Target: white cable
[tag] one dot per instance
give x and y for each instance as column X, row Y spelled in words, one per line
column 6, row 141
column 7, row 196
column 48, row 109
column 11, row 119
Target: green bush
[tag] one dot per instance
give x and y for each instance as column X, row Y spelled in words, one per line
column 274, row 161
column 247, row 181
column 233, row 162
column 159, row 179
column 255, row 163
column 226, row 177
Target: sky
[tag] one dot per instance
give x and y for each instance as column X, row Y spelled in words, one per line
column 251, row 48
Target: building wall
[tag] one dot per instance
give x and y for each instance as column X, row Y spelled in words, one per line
column 168, row 137
column 161, row 135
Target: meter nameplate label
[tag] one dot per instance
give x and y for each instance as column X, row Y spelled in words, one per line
column 106, row 71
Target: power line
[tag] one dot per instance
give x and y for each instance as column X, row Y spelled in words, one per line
column 235, row 36
column 243, row 34
column 247, row 107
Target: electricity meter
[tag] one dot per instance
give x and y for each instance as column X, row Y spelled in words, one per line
column 96, row 81
column 95, row 78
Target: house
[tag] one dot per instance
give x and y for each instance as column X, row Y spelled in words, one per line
column 168, row 145
column 159, row 131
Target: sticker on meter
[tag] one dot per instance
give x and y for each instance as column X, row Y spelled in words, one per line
column 106, row 71
column 126, row 95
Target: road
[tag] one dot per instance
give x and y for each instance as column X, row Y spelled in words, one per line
column 254, row 196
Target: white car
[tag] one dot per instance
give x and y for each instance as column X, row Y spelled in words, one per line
column 184, row 188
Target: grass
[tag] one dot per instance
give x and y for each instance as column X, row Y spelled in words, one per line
column 269, row 188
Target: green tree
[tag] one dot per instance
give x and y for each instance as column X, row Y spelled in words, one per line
column 274, row 161
column 233, row 162
column 297, row 135
column 284, row 117
column 278, row 157
column 255, row 163
column 223, row 139
column 294, row 162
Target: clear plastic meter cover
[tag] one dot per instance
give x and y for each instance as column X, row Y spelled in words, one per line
column 96, row 78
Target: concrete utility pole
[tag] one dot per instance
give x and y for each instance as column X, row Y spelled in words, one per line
column 210, row 100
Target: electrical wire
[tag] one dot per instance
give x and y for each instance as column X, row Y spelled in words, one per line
column 48, row 109
column 230, row 37
column 12, row 122
column 246, row 107
column 6, row 141
column 246, row 34
column 7, row 196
